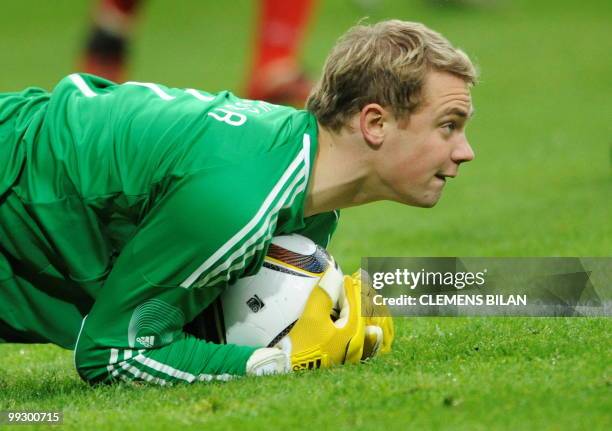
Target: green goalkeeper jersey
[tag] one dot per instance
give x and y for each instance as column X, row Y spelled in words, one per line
column 126, row 209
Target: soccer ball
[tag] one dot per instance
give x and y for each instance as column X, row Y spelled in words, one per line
column 261, row 310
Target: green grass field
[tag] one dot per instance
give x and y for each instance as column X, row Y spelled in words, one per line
column 540, row 186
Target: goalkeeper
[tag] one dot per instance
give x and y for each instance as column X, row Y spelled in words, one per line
column 123, row 204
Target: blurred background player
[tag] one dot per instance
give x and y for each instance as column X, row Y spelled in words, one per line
column 275, row 75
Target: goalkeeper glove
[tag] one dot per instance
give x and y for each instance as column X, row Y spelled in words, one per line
column 379, row 331
column 318, row 341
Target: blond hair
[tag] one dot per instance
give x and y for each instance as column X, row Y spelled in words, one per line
column 385, row 63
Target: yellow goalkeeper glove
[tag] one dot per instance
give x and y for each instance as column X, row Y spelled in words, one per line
column 318, row 341
column 379, row 331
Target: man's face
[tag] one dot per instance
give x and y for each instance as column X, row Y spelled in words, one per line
column 418, row 154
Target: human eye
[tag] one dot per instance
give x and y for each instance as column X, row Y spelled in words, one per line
column 450, row 126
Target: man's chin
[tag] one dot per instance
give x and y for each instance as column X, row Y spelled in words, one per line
column 427, row 204
column 427, row 201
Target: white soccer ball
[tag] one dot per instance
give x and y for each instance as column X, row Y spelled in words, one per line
column 261, row 310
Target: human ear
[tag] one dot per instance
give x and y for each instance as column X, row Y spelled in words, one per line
column 371, row 121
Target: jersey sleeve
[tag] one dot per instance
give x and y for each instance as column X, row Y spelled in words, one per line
column 211, row 228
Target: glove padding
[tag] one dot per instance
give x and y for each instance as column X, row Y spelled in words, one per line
column 317, row 341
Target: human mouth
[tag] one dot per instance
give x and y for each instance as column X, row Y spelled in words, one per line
column 444, row 176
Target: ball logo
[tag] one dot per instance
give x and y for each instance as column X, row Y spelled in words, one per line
column 255, row 303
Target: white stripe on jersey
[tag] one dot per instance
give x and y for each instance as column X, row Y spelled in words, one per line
column 140, row 374
column 164, row 368
column 156, row 89
column 199, row 95
column 178, row 374
column 114, row 356
column 114, row 369
column 306, row 146
column 242, row 233
column 268, row 226
column 266, row 230
column 76, row 343
column 82, row 85
column 210, row 378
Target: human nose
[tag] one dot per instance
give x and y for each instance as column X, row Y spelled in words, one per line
column 463, row 152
